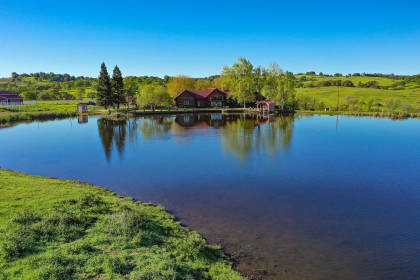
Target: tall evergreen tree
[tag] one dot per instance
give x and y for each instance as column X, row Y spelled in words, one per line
column 104, row 95
column 118, row 96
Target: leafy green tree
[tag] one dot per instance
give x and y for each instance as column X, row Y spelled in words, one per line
column 104, row 88
column 202, row 84
column 45, row 95
column 153, row 96
column 178, row 84
column 280, row 87
column 29, row 95
column 80, row 93
column 241, row 76
column 131, row 85
column 118, row 96
column 348, row 83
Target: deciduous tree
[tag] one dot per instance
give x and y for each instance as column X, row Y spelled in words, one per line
column 242, row 79
column 178, row 84
column 153, row 96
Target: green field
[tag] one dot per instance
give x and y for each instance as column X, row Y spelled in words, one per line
column 328, row 95
column 57, row 229
column 407, row 83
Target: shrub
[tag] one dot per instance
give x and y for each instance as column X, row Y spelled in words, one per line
column 18, row 242
column 324, row 84
column 57, row 267
column 392, row 104
column 126, row 223
column 119, row 264
column 348, row 83
column 26, row 217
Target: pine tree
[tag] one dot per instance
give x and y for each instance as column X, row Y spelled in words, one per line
column 104, row 95
column 118, row 96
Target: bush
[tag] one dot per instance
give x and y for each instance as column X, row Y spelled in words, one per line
column 18, row 242
column 324, row 84
column 348, row 83
column 119, row 264
column 126, row 223
column 57, row 267
column 26, row 217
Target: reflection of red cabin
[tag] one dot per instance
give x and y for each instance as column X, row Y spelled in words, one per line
column 10, row 98
column 201, row 98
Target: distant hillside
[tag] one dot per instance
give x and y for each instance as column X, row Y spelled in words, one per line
column 323, row 87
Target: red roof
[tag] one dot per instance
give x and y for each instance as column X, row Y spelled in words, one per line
column 266, row 101
column 200, row 94
column 5, row 92
column 9, row 95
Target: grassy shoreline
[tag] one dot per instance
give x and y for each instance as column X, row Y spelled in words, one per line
column 61, row 229
column 397, row 115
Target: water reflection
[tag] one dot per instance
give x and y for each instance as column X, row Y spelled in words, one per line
column 339, row 204
column 112, row 132
column 154, row 127
column 260, row 134
column 240, row 134
column 81, row 119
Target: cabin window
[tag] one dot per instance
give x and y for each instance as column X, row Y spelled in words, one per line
column 186, row 102
column 216, row 103
column 216, row 117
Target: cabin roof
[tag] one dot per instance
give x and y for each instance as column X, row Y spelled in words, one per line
column 9, row 95
column 265, row 101
column 201, row 94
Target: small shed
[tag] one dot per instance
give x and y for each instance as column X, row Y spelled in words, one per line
column 265, row 105
column 82, row 107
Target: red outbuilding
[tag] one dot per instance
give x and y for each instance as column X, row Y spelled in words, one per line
column 10, row 98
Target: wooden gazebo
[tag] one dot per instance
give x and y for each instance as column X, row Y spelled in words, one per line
column 265, row 105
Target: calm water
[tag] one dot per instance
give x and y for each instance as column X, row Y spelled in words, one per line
column 315, row 197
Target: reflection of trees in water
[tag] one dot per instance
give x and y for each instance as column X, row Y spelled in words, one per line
column 112, row 132
column 154, row 127
column 115, row 131
column 237, row 137
column 240, row 134
column 246, row 134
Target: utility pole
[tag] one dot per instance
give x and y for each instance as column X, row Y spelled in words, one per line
column 338, row 96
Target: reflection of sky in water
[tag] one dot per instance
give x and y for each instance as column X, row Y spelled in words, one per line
column 298, row 198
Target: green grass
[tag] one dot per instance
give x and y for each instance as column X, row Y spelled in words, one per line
column 58, row 229
column 381, row 81
column 328, row 95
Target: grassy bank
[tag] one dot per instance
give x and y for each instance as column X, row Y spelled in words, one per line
column 392, row 115
column 58, row 229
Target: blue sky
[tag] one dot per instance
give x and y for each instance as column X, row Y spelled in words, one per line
column 198, row 38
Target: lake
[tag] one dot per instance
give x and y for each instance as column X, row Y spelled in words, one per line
column 304, row 197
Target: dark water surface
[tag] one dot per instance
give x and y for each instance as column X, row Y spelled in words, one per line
column 316, row 197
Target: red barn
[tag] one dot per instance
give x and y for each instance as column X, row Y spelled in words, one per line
column 10, row 98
